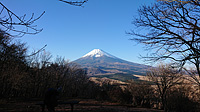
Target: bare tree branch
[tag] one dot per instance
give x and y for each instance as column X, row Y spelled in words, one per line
column 21, row 25
column 75, row 3
column 11, row 22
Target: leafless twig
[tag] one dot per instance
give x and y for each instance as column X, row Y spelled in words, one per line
column 75, row 3
column 11, row 22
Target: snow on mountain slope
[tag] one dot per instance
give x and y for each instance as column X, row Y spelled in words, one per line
column 98, row 53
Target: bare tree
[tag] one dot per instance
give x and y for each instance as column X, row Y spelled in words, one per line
column 164, row 77
column 172, row 29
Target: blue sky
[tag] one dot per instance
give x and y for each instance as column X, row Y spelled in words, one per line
column 71, row 31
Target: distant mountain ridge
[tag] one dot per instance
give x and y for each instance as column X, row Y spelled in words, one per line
column 98, row 62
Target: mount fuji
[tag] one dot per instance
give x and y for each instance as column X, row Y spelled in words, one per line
column 100, row 63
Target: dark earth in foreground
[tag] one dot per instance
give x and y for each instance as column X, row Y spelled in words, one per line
column 85, row 105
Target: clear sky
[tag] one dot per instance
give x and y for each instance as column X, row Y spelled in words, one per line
column 71, row 31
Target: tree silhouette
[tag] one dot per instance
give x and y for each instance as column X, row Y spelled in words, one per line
column 172, row 29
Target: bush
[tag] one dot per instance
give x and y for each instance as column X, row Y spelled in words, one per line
column 142, row 93
column 179, row 101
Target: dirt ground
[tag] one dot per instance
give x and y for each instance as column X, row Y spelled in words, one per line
column 83, row 106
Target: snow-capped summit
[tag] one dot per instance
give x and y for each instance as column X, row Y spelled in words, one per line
column 98, row 53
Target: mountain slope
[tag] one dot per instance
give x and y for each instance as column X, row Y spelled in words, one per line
column 99, row 62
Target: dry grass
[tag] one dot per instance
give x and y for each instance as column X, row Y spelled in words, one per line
column 104, row 79
column 141, row 77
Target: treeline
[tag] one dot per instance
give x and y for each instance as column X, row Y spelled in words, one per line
column 28, row 76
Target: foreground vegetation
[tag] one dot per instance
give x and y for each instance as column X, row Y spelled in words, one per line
column 29, row 76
